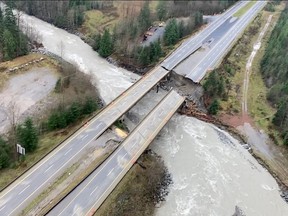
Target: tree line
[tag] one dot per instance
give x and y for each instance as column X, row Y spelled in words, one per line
column 13, row 42
column 67, row 14
column 125, row 37
column 274, row 71
column 27, row 134
column 218, row 85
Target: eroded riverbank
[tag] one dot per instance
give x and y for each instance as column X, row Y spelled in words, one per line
column 211, row 174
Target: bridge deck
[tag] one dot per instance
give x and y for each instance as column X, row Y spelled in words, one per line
column 90, row 194
column 15, row 197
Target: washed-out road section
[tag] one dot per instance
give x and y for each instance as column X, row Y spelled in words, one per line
column 194, row 43
column 90, row 194
column 221, row 46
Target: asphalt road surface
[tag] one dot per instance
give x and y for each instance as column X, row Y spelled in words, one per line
column 218, row 51
column 90, row 194
column 17, row 196
column 194, row 43
column 157, row 34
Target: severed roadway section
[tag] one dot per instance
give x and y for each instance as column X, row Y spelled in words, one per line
column 18, row 195
column 90, row 194
column 216, row 39
column 220, row 46
column 194, row 43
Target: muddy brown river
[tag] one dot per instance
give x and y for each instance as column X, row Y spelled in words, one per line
column 211, row 171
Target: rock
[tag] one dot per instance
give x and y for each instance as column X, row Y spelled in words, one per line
column 238, row 212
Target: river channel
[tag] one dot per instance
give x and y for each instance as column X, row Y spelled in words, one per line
column 211, row 171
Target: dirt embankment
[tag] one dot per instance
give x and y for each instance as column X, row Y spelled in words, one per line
column 190, row 109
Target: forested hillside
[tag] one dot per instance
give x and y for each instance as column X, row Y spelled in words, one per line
column 133, row 18
column 180, row 8
column 129, row 30
column 13, row 42
column 274, row 67
column 63, row 14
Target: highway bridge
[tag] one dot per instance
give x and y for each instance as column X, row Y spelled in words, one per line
column 90, row 194
column 18, row 195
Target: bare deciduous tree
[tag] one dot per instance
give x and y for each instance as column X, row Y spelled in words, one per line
column 12, row 112
column 31, row 32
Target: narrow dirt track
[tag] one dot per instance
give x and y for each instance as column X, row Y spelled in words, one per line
column 256, row 47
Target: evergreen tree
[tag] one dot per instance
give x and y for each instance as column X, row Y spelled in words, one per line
column 22, row 44
column 1, row 15
column 144, row 56
column 181, row 29
column 75, row 110
column 53, row 121
column 89, row 106
column 106, row 44
column 171, row 35
column 5, row 154
column 281, row 114
column 1, row 27
column 10, row 20
column 97, row 41
column 161, row 10
column 214, row 86
column 198, row 19
column 27, row 135
column 144, row 18
column 214, row 107
column 9, row 45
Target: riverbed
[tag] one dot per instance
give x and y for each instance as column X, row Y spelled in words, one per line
column 211, row 171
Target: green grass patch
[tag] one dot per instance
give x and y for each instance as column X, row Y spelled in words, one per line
column 244, row 9
column 96, row 21
column 259, row 108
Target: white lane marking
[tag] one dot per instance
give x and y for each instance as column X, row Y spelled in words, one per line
column 24, row 189
column 49, row 168
column 110, row 171
column 134, row 144
column 161, row 113
column 2, row 208
column 103, row 113
column 219, row 21
column 85, row 136
column 93, row 191
column 135, row 155
column 222, row 41
column 68, row 151
column 124, row 156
